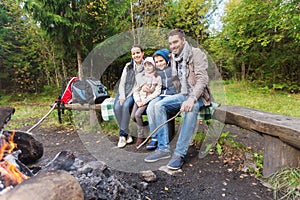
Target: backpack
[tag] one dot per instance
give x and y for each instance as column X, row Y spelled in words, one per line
column 66, row 96
column 90, row 90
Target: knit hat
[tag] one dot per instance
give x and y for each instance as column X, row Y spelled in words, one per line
column 150, row 60
column 164, row 53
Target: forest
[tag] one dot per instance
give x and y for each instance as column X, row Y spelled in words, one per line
column 45, row 41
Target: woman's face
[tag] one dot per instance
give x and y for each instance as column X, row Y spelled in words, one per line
column 160, row 62
column 137, row 55
column 149, row 68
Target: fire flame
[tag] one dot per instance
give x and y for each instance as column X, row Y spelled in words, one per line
column 8, row 170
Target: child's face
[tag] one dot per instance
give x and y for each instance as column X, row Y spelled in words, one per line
column 160, row 62
column 149, row 68
column 137, row 55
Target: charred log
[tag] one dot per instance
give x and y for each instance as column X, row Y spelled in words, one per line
column 5, row 115
column 31, row 149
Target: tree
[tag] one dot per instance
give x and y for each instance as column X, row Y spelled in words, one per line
column 22, row 51
column 261, row 40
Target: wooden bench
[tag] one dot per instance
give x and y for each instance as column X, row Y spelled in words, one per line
column 281, row 134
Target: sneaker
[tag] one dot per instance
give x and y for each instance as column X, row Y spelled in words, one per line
column 176, row 162
column 129, row 139
column 157, row 155
column 152, row 145
column 122, row 142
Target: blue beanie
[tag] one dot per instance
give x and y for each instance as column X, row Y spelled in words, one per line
column 164, row 53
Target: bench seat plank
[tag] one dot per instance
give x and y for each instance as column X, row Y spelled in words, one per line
column 284, row 127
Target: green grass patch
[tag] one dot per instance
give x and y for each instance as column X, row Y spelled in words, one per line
column 269, row 100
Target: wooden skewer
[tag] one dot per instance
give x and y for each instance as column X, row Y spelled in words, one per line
column 144, row 142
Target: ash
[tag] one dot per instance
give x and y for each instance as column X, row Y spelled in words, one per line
column 99, row 182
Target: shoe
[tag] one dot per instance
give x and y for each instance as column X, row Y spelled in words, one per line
column 176, row 162
column 152, row 145
column 139, row 141
column 122, row 142
column 157, row 155
column 129, row 139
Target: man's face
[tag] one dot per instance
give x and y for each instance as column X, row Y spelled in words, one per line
column 176, row 44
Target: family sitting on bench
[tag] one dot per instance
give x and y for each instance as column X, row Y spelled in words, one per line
column 179, row 83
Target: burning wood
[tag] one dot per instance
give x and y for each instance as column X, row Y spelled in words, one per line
column 10, row 175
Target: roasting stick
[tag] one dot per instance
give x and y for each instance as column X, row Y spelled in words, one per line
column 157, row 129
column 29, row 130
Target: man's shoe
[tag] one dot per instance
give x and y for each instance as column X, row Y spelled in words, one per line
column 129, row 139
column 152, row 145
column 157, row 155
column 176, row 162
column 122, row 142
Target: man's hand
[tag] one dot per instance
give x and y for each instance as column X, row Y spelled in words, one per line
column 121, row 101
column 188, row 105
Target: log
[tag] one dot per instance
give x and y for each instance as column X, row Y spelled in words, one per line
column 77, row 106
column 278, row 155
column 51, row 185
column 284, row 127
column 5, row 115
column 31, row 149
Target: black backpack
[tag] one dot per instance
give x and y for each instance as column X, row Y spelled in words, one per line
column 89, row 90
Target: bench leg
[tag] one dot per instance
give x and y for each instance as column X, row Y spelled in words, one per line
column 278, row 154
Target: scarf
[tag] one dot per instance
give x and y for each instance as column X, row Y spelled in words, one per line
column 181, row 61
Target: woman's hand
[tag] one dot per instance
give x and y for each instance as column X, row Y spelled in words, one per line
column 146, row 88
column 121, row 101
column 140, row 104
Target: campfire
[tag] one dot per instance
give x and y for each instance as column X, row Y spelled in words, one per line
column 64, row 177
column 10, row 174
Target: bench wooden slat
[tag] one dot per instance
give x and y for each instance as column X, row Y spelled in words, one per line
column 77, row 106
column 286, row 128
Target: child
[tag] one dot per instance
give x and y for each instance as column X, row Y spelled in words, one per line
column 150, row 79
column 163, row 69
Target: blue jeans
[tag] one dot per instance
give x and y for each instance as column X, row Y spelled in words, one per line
column 172, row 104
column 122, row 113
column 151, row 115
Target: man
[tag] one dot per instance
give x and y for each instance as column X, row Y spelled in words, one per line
column 189, row 74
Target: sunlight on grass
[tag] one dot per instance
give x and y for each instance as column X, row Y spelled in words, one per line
column 243, row 94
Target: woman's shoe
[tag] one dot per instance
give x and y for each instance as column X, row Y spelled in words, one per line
column 152, row 145
column 122, row 142
column 129, row 139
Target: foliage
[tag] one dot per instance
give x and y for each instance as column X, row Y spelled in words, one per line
column 23, row 51
column 285, row 183
column 260, row 42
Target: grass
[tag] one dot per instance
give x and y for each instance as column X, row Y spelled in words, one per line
column 247, row 95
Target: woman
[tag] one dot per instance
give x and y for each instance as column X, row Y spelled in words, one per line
column 124, row 101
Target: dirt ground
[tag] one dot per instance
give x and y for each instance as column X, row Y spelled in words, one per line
column 212, row 177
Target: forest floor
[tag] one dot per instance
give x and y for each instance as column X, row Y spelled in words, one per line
column 211, row 177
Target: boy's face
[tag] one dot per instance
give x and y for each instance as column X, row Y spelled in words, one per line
column 160, row 62
column 149, row 68
column 176, row 44
column 137, row 55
